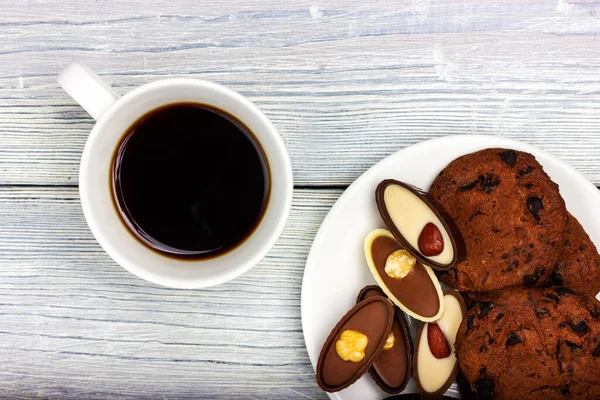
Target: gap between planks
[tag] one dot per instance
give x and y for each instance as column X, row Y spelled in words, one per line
column 75, row 185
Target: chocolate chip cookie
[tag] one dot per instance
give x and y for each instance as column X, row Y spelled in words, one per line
column 578, row 266
column 511, row 215
column 532, row 344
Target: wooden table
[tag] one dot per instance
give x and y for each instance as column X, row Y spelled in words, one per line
column 346, row 82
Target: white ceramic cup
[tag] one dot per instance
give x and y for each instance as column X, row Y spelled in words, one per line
column 114, row 115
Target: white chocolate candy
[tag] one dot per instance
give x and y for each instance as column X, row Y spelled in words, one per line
column 410, row 215
column 433, row 373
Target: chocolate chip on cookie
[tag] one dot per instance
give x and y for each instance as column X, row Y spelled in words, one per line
column 513, row 339
column 534, row 205
column 509, row 157
column 581, row 328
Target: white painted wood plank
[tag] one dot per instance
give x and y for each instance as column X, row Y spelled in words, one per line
column 346, row 83
column 73, row 324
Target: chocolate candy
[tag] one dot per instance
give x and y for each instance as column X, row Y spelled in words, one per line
column 354, row 343
column 434, row 367
column 392, row 369
column 420, row 224
column 410, row 284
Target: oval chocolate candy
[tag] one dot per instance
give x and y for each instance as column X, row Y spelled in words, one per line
column 418, row 293
column 420, row 224
column 435, row 363
column 340, row 363
column 391, row 371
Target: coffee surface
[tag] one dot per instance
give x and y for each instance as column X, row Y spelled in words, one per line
column 190, row 180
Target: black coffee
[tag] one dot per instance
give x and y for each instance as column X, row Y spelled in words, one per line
column 190, row 180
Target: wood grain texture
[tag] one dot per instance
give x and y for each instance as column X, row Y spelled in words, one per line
column 345, row 82
column 73, row 324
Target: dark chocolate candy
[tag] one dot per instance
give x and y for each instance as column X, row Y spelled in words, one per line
column 369, row 291
column 372, row 317
column 418, row 293
column 455, row 238
column 391, row 371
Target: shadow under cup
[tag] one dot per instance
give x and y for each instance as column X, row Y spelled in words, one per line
column 190, row 181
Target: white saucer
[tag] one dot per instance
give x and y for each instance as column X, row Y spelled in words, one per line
column 336, row 269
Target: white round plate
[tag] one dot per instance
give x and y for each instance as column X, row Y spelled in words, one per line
column 336, row 269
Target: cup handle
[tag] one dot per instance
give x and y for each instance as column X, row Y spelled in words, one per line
column 87, row 89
